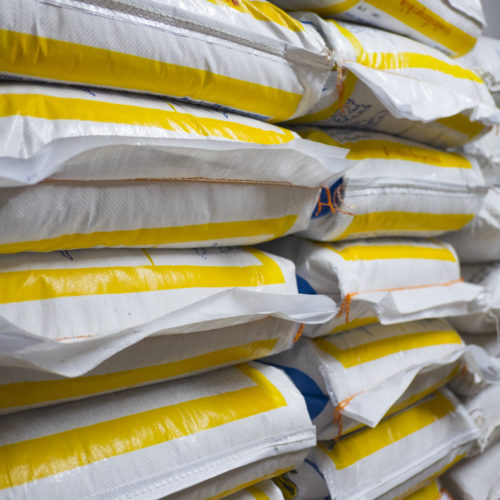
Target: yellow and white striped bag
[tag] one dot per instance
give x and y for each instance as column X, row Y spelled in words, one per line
column 451, row 26
column 396, row 188
column 247, row 56
column 401, row 454
column 366, row 371
column 119, row 170
column 197, row 438
column 385, row 280
column 431, row 491
column 388, row 83
column 67, row 312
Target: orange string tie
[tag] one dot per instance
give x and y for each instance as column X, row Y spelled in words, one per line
column 345, row 306
column 299, row 332
column 338, row 201
column 337, row 415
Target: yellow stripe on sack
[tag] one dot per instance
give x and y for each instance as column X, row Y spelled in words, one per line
column 370, row 351
column 420, row 18
column 349, row 84
column 336, row 8
column 355, row 323
column 404, row 221
column 262, row 11
column 257, row 494
column 41, row 284
column 463, row 124
column 46, row 58
column 374, row 252
column 20, row 394
column 45, row 456
column 354, row 447
column 367, row 149
column 429, row 492
column 158, row 236
column 63, row 108
column 400, row 60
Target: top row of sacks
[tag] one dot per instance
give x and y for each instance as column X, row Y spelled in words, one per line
column 252, row 58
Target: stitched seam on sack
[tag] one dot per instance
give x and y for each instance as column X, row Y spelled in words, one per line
column 213, row 464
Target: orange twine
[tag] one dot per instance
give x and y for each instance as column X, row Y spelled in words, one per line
column 345, row 306
column 332, row 203
column 299, row 332
column 337, row 414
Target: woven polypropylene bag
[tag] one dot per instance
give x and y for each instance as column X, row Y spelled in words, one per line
column 199, row 437
column 395, row 188
column 246, row 56
column 101, row 169
column 451, row 26
column 388, row 83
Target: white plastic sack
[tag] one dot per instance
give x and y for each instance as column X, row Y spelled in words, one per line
column 388, row 83
column 484, row 59
column 479, row 241
column 401, row 454
column 247, row 56
column 67, row 312
column 197, row 438
column 488, row 320
column 365, row 371
column 121, row 170
column 151, row 360
column 384, row 280
column 396, row 188
column 477, row 478
column 451, row 26
column 431, row 491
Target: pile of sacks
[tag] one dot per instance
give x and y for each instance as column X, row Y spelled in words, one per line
column 140, row 150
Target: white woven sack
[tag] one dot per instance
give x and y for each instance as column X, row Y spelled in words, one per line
column 484, row 59
column 401, row 454
column 121, row 170
column 396, row 188
column 479, row 241
column 388, row 83
column 265, row 490
column 477, row 478
column 151, row 360
column 487, row 320
column 365, row 371
column 385, row 280
column 193, row 438
column 431, row 491
column 451, row 26
column 68, row 312
column 246, row 56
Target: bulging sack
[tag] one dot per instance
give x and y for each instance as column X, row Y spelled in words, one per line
column 265, row 490
column 477, row 478
column 395, row 188
column 118, row 170
column 245, row 56
column 385, row 280
column 401, row 454
column 451, row 26
column 195, row 438
column 479, row 241
column 388, row 83
column 67, row 312
column 366, row 371
column 487, row 320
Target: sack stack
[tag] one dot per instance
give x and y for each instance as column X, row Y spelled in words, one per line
column 138, row 154
column 406, row 110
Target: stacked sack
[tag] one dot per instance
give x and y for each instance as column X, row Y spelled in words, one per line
column 374, row 375
column 129, row 315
